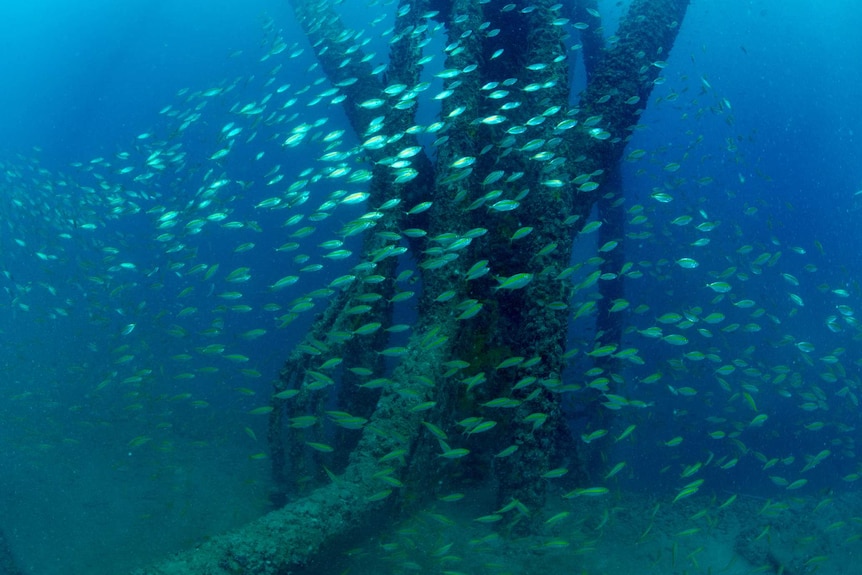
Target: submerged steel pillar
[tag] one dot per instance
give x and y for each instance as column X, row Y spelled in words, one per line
column 519, row 321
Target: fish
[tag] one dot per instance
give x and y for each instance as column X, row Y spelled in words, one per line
column 247, row 205
column 517, row 281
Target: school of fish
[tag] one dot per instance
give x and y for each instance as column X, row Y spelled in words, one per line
column 225, row 227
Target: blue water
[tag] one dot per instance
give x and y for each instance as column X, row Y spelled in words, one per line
column 760, row 104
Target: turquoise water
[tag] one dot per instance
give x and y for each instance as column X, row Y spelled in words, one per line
column 183, row 194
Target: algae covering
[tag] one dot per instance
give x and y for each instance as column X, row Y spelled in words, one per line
column 510, row 344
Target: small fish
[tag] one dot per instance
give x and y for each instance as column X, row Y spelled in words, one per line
column 587, row 492
column 555, row 473
column 482, row 427
column 507, row 452
column 685, row 492
column 719, row 287
column 451, row 498
column 367, row 328
column 504, row 205
column 510, row 362
column 626, row 432
column 456, row 453
column 379, row 496
column 504, row 402
column 591, row 227
column 603, row 351
column 419, row 208
column 590, row 437
column 514, row 282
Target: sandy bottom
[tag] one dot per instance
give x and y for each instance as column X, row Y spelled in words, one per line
column 625, row 535
column 67, row 510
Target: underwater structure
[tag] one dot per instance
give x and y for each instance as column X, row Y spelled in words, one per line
column 486, row 354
